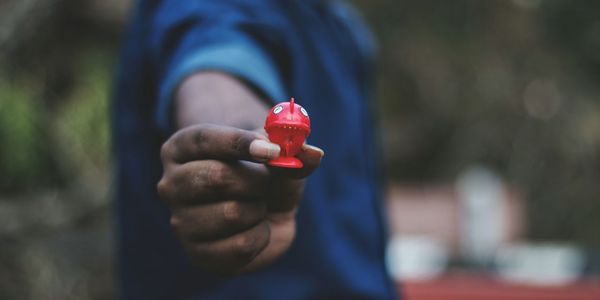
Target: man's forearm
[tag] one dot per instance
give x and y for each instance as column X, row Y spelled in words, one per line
column 218, row 98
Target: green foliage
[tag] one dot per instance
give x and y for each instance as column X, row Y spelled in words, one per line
column 21, row 153
column 46, row 145
column 82, row 123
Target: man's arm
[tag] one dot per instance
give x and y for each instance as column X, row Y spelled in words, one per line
column 231, row 213
column 218, row 98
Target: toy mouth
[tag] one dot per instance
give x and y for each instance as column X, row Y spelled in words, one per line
column 291, row 127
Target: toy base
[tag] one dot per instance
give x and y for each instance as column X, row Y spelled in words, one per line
column 286, row 162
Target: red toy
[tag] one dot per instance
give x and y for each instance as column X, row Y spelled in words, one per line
column 288, row 126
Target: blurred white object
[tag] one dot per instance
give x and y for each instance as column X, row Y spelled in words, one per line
column 482, row 224
column 540, row 264
column 415, row 257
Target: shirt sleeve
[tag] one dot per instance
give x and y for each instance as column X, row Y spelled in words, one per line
column 199, row 40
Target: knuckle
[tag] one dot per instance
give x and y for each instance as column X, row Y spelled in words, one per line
column 239, row 144
column 165, row 151
column 245, row 247
column 232, row 212
column 163, row 189
column 216, row 175
column 175, row 223
column 199, row 138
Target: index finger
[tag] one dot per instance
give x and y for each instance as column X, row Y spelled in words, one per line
column 311, row 159
column 207, row 141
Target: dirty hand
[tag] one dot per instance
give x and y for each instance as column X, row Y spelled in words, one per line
column 231, row 212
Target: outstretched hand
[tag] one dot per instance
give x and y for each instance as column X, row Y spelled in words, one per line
column 231, row 212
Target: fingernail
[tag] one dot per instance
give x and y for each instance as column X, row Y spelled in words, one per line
column 321, row 152
column 264, row 150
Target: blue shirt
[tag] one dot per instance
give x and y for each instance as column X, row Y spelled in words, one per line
column 316, row 51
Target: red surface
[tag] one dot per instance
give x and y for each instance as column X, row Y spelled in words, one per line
column 287, row 125
column 484, row 287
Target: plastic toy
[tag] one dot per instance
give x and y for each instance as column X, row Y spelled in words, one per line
column 287, row 125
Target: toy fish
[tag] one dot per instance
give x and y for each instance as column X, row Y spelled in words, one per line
column 287, row 125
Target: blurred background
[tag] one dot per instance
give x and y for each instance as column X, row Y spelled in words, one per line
column 490, row 119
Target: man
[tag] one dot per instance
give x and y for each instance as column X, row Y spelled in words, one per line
column 197, row 79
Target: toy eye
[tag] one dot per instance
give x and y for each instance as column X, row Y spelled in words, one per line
column 277, row 109
column 303, row 111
